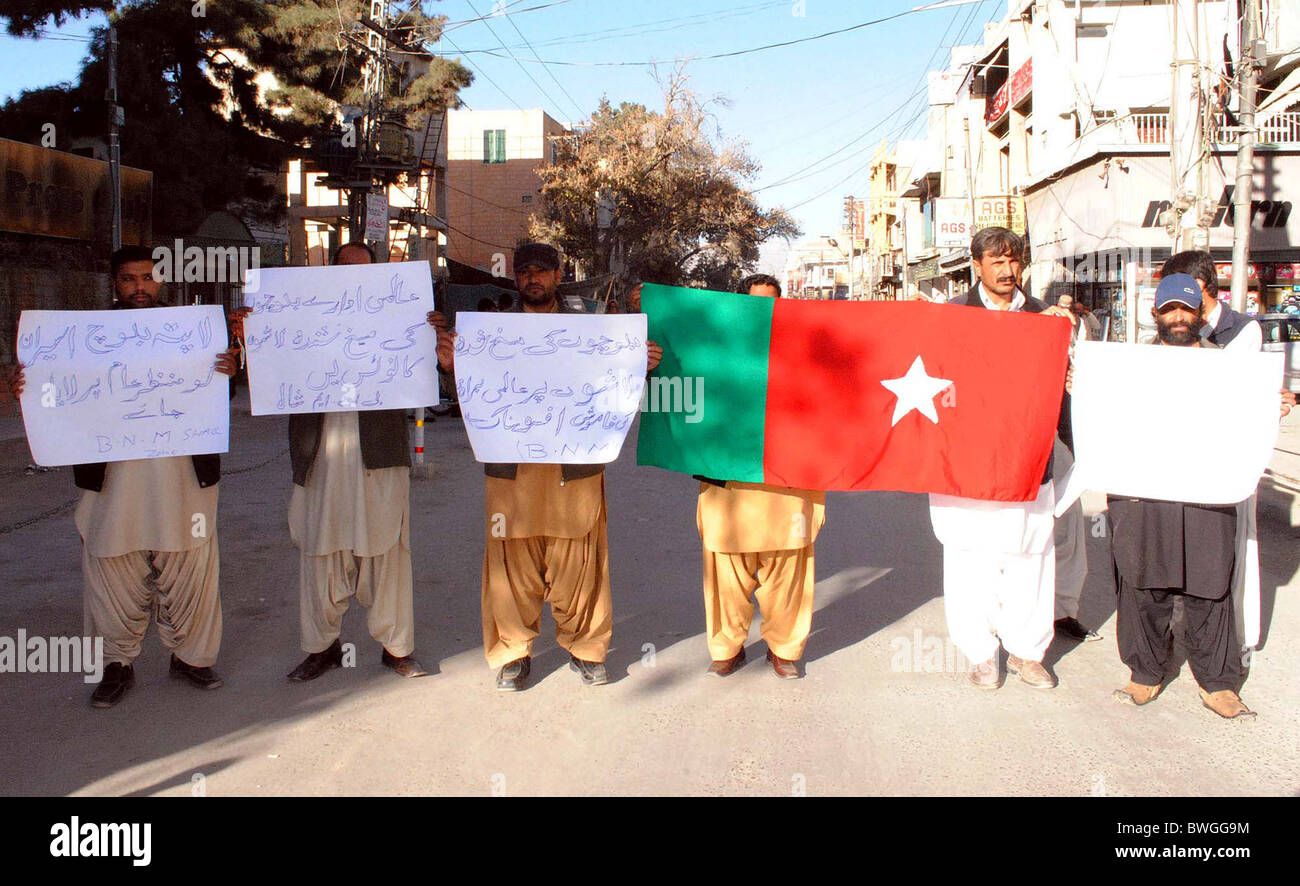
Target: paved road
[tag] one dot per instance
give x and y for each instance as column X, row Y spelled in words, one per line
column 883, row 708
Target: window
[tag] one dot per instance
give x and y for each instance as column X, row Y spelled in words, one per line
column 494, row 146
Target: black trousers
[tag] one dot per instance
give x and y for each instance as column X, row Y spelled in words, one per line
column 1146, row 639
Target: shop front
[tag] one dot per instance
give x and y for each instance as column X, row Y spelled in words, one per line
column 1098, row 234
column 942, row 277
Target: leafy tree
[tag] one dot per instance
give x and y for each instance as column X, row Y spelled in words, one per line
column 195, row 115
column 652, row 188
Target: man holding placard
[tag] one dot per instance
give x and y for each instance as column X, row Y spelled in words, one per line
column 349, row 516
column 545, row 531
column 149, row 534
column 1164, row 549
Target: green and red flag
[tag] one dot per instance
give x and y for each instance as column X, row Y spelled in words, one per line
column 835, row 395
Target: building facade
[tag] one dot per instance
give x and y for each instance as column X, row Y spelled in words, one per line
column 1060, row 125
column 817, row 267
column 493, row 186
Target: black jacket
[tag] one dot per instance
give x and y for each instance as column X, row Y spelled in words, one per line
column 1032, row 306
column 972, row 299
column 207, row 468
column 385, row 440
column 1230, row 325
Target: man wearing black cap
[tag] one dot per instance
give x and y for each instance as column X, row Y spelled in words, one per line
column 1163, row 550
column 545, row 531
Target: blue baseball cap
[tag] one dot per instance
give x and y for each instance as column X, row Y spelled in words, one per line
column 1181, row 288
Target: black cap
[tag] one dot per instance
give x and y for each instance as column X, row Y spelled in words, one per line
column 540, row 254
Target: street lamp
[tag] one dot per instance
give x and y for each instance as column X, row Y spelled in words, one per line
column 848, row 257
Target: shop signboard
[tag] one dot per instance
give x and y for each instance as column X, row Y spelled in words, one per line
column 56, row 194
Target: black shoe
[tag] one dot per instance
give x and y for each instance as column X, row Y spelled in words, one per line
column 118, row 678
column 593, row 672
column 204, row 678
column 513, row 676
column 405, row 666
column 1070, row 629
column 318, row 663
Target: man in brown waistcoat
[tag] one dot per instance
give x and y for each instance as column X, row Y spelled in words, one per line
column 545, row 531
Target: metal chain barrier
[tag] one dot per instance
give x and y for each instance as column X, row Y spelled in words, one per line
column 54, row 512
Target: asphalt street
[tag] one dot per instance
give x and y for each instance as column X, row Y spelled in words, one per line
column 883, row 708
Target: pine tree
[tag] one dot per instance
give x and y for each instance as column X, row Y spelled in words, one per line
column 195, row 114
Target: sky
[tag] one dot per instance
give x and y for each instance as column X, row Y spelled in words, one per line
column 812, row 113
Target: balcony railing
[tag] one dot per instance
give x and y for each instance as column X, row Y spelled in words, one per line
column 1150, row 129
column 1153, row 129
column 1284, row 129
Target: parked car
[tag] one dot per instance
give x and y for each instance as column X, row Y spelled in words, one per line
column 1282, row 333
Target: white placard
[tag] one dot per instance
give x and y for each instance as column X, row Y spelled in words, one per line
column 376, row 218
column 1172, row 423
column 342, row 338
column 120, row 385
column 549, row 388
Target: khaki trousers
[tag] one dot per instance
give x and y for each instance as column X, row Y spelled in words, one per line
column 782, row 583
column 179, row 589
column 381, row 584
column 572, row 574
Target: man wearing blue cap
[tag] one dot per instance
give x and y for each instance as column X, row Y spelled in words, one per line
column 1223, row 326
column 1162, row 550
column 1232, row 331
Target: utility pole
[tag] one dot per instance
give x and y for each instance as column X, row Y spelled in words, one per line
column 114, row 145
column 970, row 186
column 374, row 74
column 1182, row 122
column 1248, row 85
column 849, row 208
column 902, row 215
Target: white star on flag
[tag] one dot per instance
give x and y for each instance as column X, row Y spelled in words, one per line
column 916, row 390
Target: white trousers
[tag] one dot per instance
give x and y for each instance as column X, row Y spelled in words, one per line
column 990, row 596
column 1245, row 576
column 999, row 573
